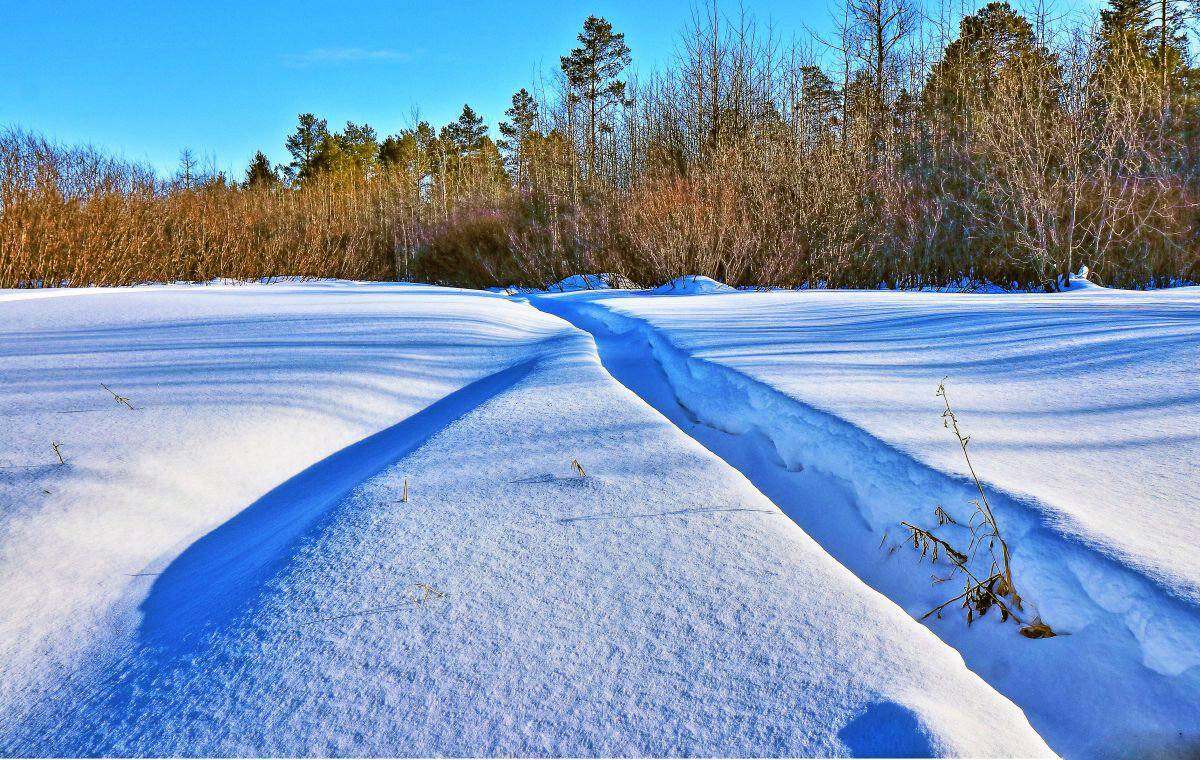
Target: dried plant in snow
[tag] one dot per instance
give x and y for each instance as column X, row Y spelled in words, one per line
column 117, row 397
column 981, row 590
column 426, row 592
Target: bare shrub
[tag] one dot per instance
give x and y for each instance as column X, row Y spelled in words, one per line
column 72, row 216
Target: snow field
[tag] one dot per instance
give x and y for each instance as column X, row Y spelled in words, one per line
column 1084, row 401
column 235, row 389
column 660, row 606
column 724, row 361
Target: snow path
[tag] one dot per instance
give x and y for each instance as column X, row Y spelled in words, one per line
column 1086, row 401
column 1125, row 682
column 659, row 606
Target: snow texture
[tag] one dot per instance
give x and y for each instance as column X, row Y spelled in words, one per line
column 1082, row 408
column 230, row 568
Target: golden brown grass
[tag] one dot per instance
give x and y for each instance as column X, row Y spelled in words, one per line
column 75, row 217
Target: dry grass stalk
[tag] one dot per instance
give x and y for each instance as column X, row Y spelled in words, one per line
column 118, row 398
column 427, row 592
column 981, row 591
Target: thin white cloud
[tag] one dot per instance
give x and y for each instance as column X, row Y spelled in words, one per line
column 324, row 56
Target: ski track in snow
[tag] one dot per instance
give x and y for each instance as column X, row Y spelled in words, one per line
column 1126, row 627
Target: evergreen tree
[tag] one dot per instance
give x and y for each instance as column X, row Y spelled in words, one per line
column 348, row 154
column 467, row 134
column 464, row 159
column 423, row 153
column 260, row 175
column 1126, row 36
column 1172, row 46
column 517, row 133
column 392, row 152
column 303, row 145
column 488, row 165
column 411, row 154
column 1144, row 41
column 819, row 104
column 994, row 43
column 328, row 159
column 360, row 145
column 592, row 70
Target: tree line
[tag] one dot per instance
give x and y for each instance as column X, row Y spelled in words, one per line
column 909, row 147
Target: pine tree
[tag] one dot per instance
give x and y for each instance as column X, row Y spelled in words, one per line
column 517, row 132
column 424, row 150
column 466, row 135
column 592, row 70
column 260, row 175
column 1126, row 35
column 392, row 152
column 410, row 155
column 994, row 43
column 327, row 159
column 463, row 158
column 360, row 145
column 1172, row 46
column 1143, row 40
column 819, row 104
column 351, row 153
column 303, row 145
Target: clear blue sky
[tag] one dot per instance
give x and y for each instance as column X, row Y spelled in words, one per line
column 228, row 77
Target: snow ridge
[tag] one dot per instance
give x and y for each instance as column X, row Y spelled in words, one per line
column 212, row 577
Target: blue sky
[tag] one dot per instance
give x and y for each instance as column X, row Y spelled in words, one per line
column 226, row 78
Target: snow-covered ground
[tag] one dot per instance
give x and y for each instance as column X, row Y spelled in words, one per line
column 1087, row 401
column 234, row 389
column 1083, row 409
column 230, row 567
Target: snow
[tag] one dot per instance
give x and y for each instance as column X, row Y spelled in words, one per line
column 581, row 282
column 235, row 389
column 691, row 285
column 1078, row 401
column 1082, row 414
column 229, row 568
